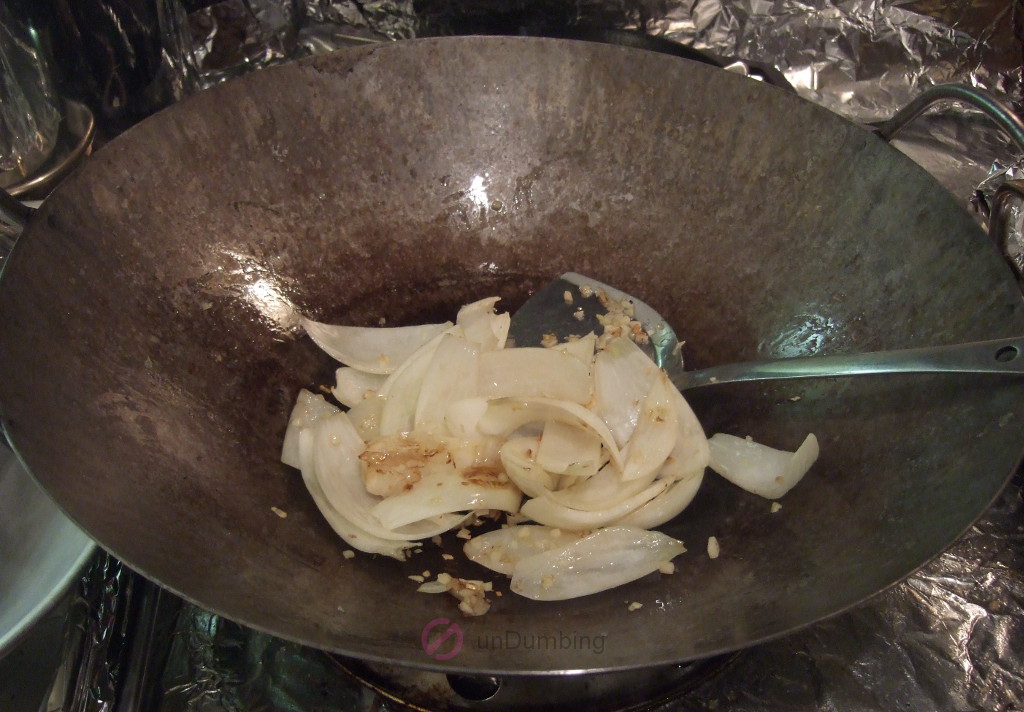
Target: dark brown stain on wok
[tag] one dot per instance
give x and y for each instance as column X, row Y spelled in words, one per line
column 149, row 362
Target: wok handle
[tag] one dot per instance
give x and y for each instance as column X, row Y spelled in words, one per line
column 1009, row 238
column 995, row 109
column 1011, row 244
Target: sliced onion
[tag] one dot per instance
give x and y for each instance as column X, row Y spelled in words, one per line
column 534, row 373
column 352, row 385
column 401, row 390
column 605, row 559
column 505, row 415
column 371, row 349
column 581, row 348
column 684, row 467
column 482, row 326
column 564, row 447
column 354, row 536
column 656, row 432
column 760, row 469
column 547, row 510
column 622, row 379
column 338, row 471
column 666, row 505
column 500, row 550
column 309, row 408
column 518, row 457
column 444, row 423
column 691, row 451
column 602, row 491
column 463, row 417
column 365, row 416
column 454, row 476
column 450, row 377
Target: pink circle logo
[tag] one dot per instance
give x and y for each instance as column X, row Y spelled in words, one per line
column 447, row 631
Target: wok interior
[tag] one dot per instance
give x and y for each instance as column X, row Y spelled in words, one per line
column 151, row 357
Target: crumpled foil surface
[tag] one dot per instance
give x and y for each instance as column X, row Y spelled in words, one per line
column 861, row 58
column 951, row 637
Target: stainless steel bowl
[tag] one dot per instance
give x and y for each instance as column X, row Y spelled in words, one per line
column 41, row 551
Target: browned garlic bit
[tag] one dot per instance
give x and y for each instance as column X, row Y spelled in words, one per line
column 472, row 597
column 618, row 319
column 714, row 549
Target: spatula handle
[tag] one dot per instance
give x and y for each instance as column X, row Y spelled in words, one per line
column 1004, row 356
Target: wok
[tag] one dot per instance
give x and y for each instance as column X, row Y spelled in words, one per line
column 151, row 356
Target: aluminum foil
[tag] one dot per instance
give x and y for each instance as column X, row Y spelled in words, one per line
column 861, row 58
column 95, row 654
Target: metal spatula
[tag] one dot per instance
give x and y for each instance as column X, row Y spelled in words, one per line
column 571, row 305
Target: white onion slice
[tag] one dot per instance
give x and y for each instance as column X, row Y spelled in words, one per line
column 463, row 417
column 442, row 493
column 691, row 451
column 371, row 349
column 656, row 432
column 684, row 467
column 401, row 390
column 758, row 468
column 444, row 422
column 365, row 416
column 666, row 505
column 351, row 385
column 338, row 471
column 547, row 510
column 569, row 449
column 450, row 377
column 354, row 536
column 605, row 559
column 602, row 491
column 309, row 408
column 453, row 476
column 482, row 326
column 518, row 458
column 534, row 373
column 500, row 550
column 622, row 379
column 506, row 415
column 582, row 348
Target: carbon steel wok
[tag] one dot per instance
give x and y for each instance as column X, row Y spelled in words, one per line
column 150, row 355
